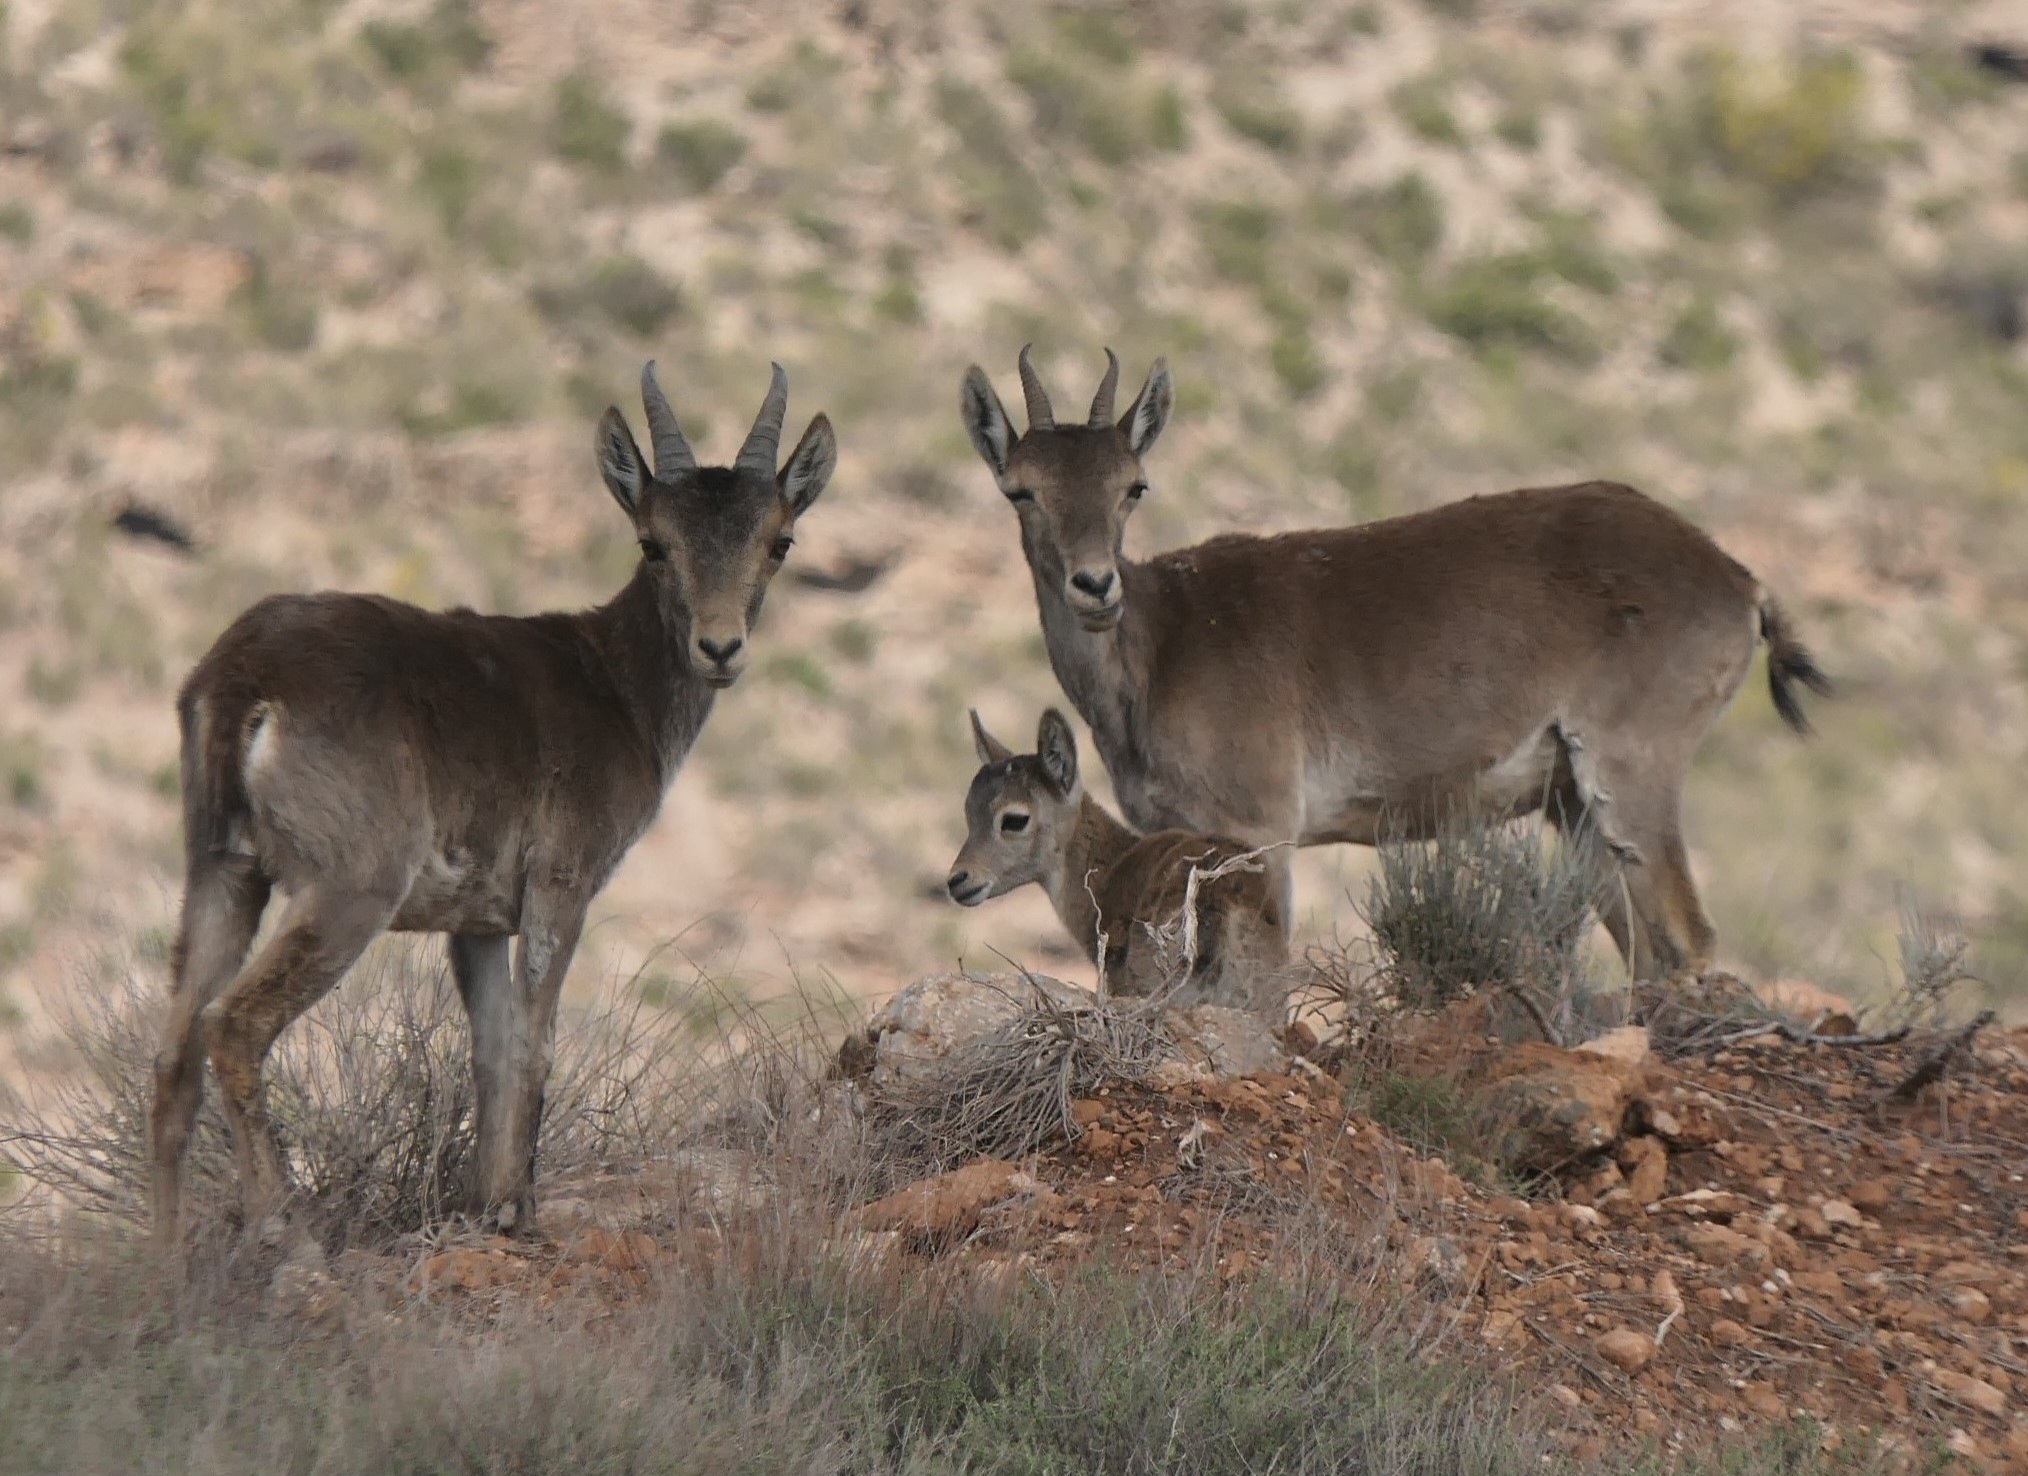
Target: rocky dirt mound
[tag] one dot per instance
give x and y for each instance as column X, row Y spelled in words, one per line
column 1762, row 1235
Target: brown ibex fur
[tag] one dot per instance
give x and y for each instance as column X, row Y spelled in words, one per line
column 388, row 768
column 1121, row 895
column 1563, row 648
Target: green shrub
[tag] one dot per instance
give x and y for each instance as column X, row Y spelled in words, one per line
column 1003, row 196
column 1699, row 340
column 1483, row 907
column 1253, row 107
column 1419, row 103
column 1238, row 236
column 448, row 38
column 1402, row 222
column 450, row 177
column 1296, row 362
column 700, row 152
column 585, row 128
column 1113, row 117
column 1500, row 302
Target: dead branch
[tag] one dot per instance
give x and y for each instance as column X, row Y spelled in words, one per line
column 1931, row 1068
column 1527, row 1001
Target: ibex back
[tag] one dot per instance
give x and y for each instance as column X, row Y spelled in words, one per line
column 388, row 768
column 1121, row 896
column 1558, row 647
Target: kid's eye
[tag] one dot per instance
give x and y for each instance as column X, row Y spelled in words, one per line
column 1013, row 824
column 781, row 548
column 652, row 551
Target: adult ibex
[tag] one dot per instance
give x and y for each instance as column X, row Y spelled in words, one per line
column 389, row 768
column 1029, row 819
column 1562, row 648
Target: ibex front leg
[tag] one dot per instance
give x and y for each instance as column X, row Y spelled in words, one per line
column 513, row 1041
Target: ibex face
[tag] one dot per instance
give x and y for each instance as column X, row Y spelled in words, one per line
column 1018, row 812
column 713, row 537
column 1072, row 485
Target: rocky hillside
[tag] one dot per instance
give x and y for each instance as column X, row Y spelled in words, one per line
column 338, row 289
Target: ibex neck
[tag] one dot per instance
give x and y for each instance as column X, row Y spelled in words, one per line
column 1095, row 844
column 1103, row 673
column 650, row 667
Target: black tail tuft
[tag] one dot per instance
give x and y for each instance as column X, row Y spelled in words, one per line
column 1789, row 662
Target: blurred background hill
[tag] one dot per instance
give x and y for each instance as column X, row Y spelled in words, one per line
column 339, row 289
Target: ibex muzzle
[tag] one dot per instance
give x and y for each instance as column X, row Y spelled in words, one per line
column 1073, row 486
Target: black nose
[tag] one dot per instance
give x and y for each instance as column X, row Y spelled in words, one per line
column 721, row 652
column 960, row 880
column 1098, row 586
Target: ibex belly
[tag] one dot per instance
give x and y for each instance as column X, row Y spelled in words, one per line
column 1354, row 797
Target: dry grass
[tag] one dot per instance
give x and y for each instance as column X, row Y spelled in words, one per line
column 371, row 1092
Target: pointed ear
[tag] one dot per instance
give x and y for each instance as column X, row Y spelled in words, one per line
column 810, row 466
column 1143, row 422
column 986, row 420
column 620, row 464
column 989, row 749
column 1056, row 745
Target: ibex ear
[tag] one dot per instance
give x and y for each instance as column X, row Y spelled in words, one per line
column 810, row 466
column 1143, row 422
column 989, row 749
column 986, row 420
column 1056, row 746
column 620, row 461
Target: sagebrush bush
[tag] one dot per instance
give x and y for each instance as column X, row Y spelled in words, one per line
column 1484, row 906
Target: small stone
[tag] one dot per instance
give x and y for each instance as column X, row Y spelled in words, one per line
column 1628, row 1043
column 1627, row 1350
column 1761, row 1398
column 1810, row 1223
column 1971, row 1304
column 1871, row 1195
column 1645, row 1162
column 1837, row 1212
column 1967, row 1390
column 1729, row 1334
column 1566, row 1396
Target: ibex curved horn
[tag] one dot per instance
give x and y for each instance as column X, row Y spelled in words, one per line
column 763, row 442
column 1040, row 416
column 672, row 452
column 1102, row 402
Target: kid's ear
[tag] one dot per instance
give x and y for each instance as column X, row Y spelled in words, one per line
column 989, row 749
column 1056, row 745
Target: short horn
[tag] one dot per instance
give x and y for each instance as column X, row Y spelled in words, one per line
column 1102, row 402
column 1040, row 416
column 672, row 452
column 763, row 443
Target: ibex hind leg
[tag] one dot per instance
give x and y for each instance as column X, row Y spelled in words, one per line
column 483, row 969
column 322, row 934
column 1648, row 899
column 223, row 900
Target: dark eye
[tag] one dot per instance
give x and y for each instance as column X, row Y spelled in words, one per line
column 652, row 551
column 1013, row 822
column 1134, row 492
column 1020, row 494
column 781, row 548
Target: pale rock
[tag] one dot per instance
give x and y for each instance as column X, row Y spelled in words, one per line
column 1625, row 1349
column 1628, row 1043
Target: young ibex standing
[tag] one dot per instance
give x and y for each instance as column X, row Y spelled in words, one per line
column 392, row 769
column 1557, row 647
column 1028, row 819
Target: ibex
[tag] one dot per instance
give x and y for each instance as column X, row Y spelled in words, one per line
column 1561, row 648
column 1120, row 895
column 389, row 768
